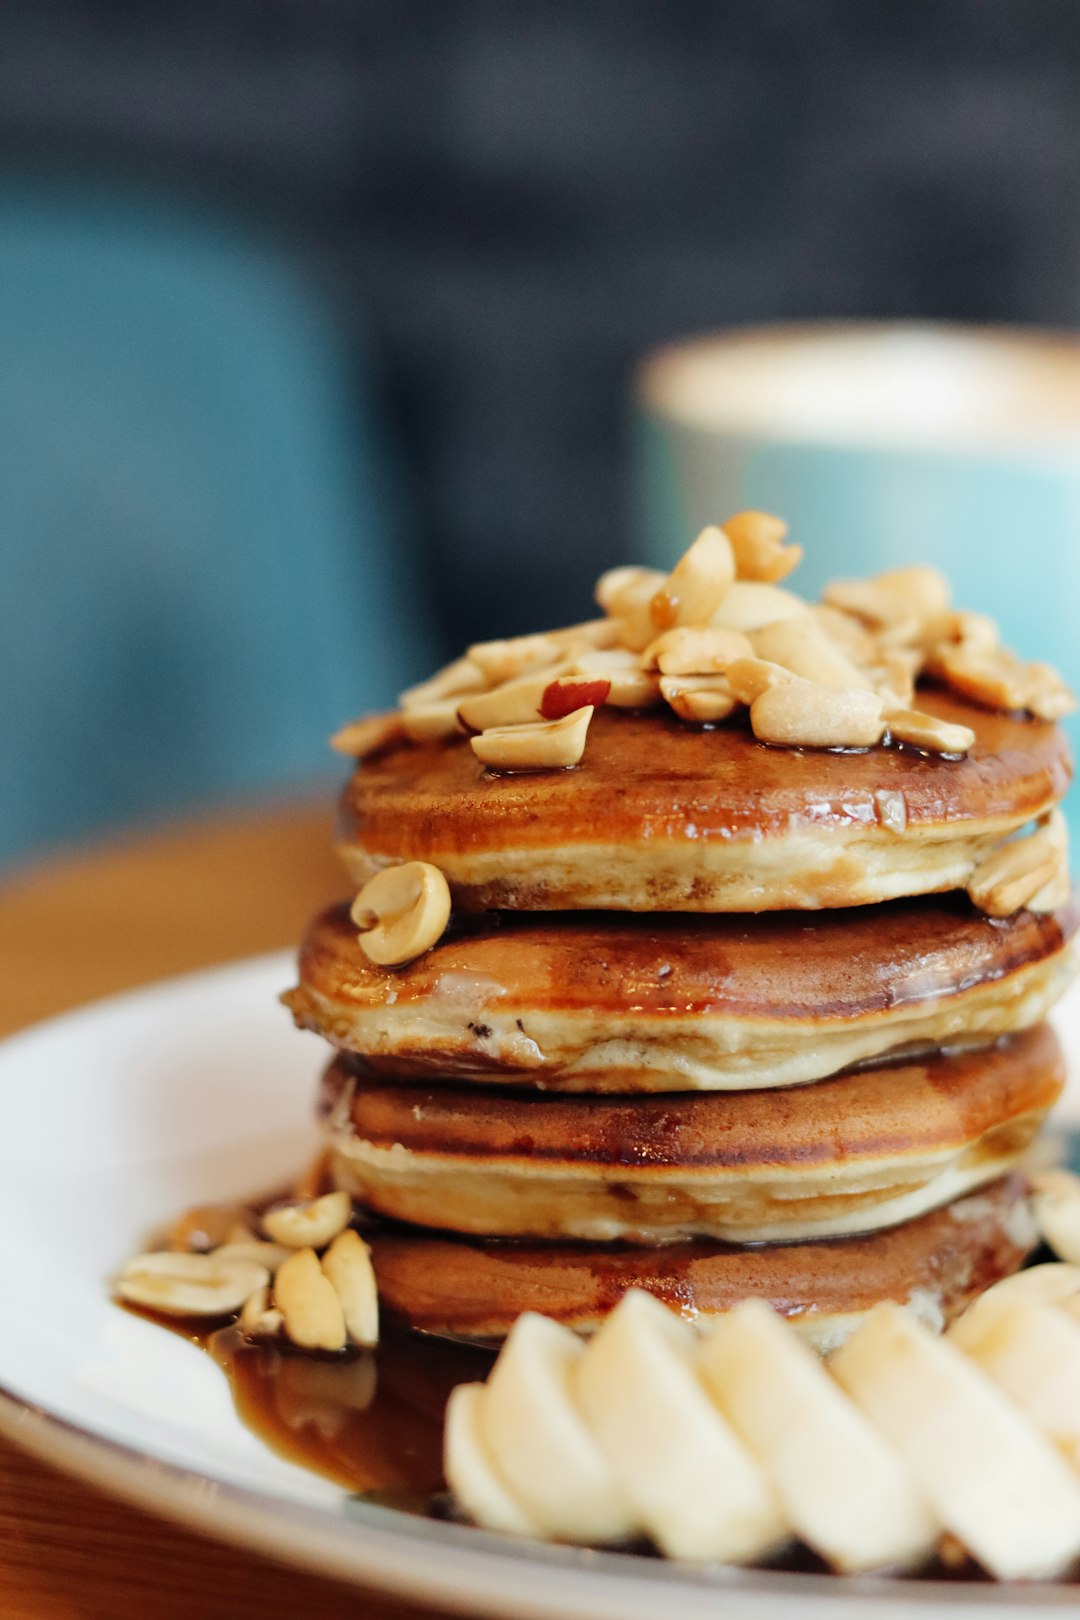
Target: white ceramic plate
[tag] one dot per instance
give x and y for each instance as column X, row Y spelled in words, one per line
column 113, row 1118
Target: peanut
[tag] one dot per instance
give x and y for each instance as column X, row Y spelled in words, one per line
column 206, row 1226
column 757, row 542
column 915, row 596
column 1017, row 872
column 695, row 651
column 515, row 703
column 803, row 647
column 454, row 680
column 258, row 1319
column 311, row 1225
column 310, row 1309
column 190, row 1284
column 631, row 686
column 401, row 912
column 702, row 699
column 749, row 677
column 501, row 661
column 368, row 735
column 431, row 722
column 549, row 745
column 926, row 731
column 802, row 715
column 696, row 585
column 748, row 605
column 347, row 1264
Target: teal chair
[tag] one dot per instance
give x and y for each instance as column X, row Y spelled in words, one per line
column 201, row 569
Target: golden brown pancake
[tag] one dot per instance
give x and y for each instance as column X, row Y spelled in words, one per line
column 854, row 1154
column 594, row 1001
column 661, row 816
column 475, row 1288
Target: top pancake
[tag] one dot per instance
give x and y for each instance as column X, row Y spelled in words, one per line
column 661, row 816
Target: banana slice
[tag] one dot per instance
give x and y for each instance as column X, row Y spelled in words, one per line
column 1032, row 1353
column 1056, row 1205
column 996, row 1484
column 846, row 1494
column 693, row 1485
column 540, row 1444
column 1054, row 1283
column 470, row 1472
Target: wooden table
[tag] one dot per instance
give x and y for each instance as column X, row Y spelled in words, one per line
column 141, row 908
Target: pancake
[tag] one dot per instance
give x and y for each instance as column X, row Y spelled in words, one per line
column 599, row 1002
column 662, row 816
column 855, row 1154
column 476, row 1288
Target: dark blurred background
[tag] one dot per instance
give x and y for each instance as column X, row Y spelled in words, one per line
column 477, row 216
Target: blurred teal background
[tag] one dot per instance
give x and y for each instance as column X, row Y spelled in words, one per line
column 207, row 565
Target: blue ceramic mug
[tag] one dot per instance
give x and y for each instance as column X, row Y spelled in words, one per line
column 882, row 445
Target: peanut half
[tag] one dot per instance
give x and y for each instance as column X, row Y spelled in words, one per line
column 551, row 745
column 748, row 605
column 749, row 677
column 367, row 735
column 626, row 594
column 757, row 542
column 500, row 661
column 431, row 722
column 309, row 1225
column 802, row 646
column 1017, row 873
column 401, row 912
column 454, row 680
column 259, row 1319
column 190, row 1284
column 701, row 699
column 206, row 1226
column 696, row 585
column 311, row 1310
column 347, row 1264
column 914, row 597
column 629, row 686
column 927, row 732
column 802, row 715
column 694, row 650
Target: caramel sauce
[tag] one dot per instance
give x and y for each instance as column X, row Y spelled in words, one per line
column 370, row 1421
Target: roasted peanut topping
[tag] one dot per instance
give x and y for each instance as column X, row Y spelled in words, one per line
column 696, row 585
column 314, row 1284
column 757, row 543
column 1026, row 871
column 802, row 715
column 401, row 912
column 551, row 745
column 712, row 638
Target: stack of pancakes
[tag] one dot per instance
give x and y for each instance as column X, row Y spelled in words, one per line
column 711, row 1018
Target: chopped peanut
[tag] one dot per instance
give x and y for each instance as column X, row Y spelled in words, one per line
column 926, row 731
column 757, row 542
column 702, row 699
column 696, row 585
column 453, row 681
column 749, row 677
column 550, row 745
column 367, row 735
column 802, row 715
column 803, row 647
column 1017, row 872
column 401, row 912
column 695, row 651
column 501, row 661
